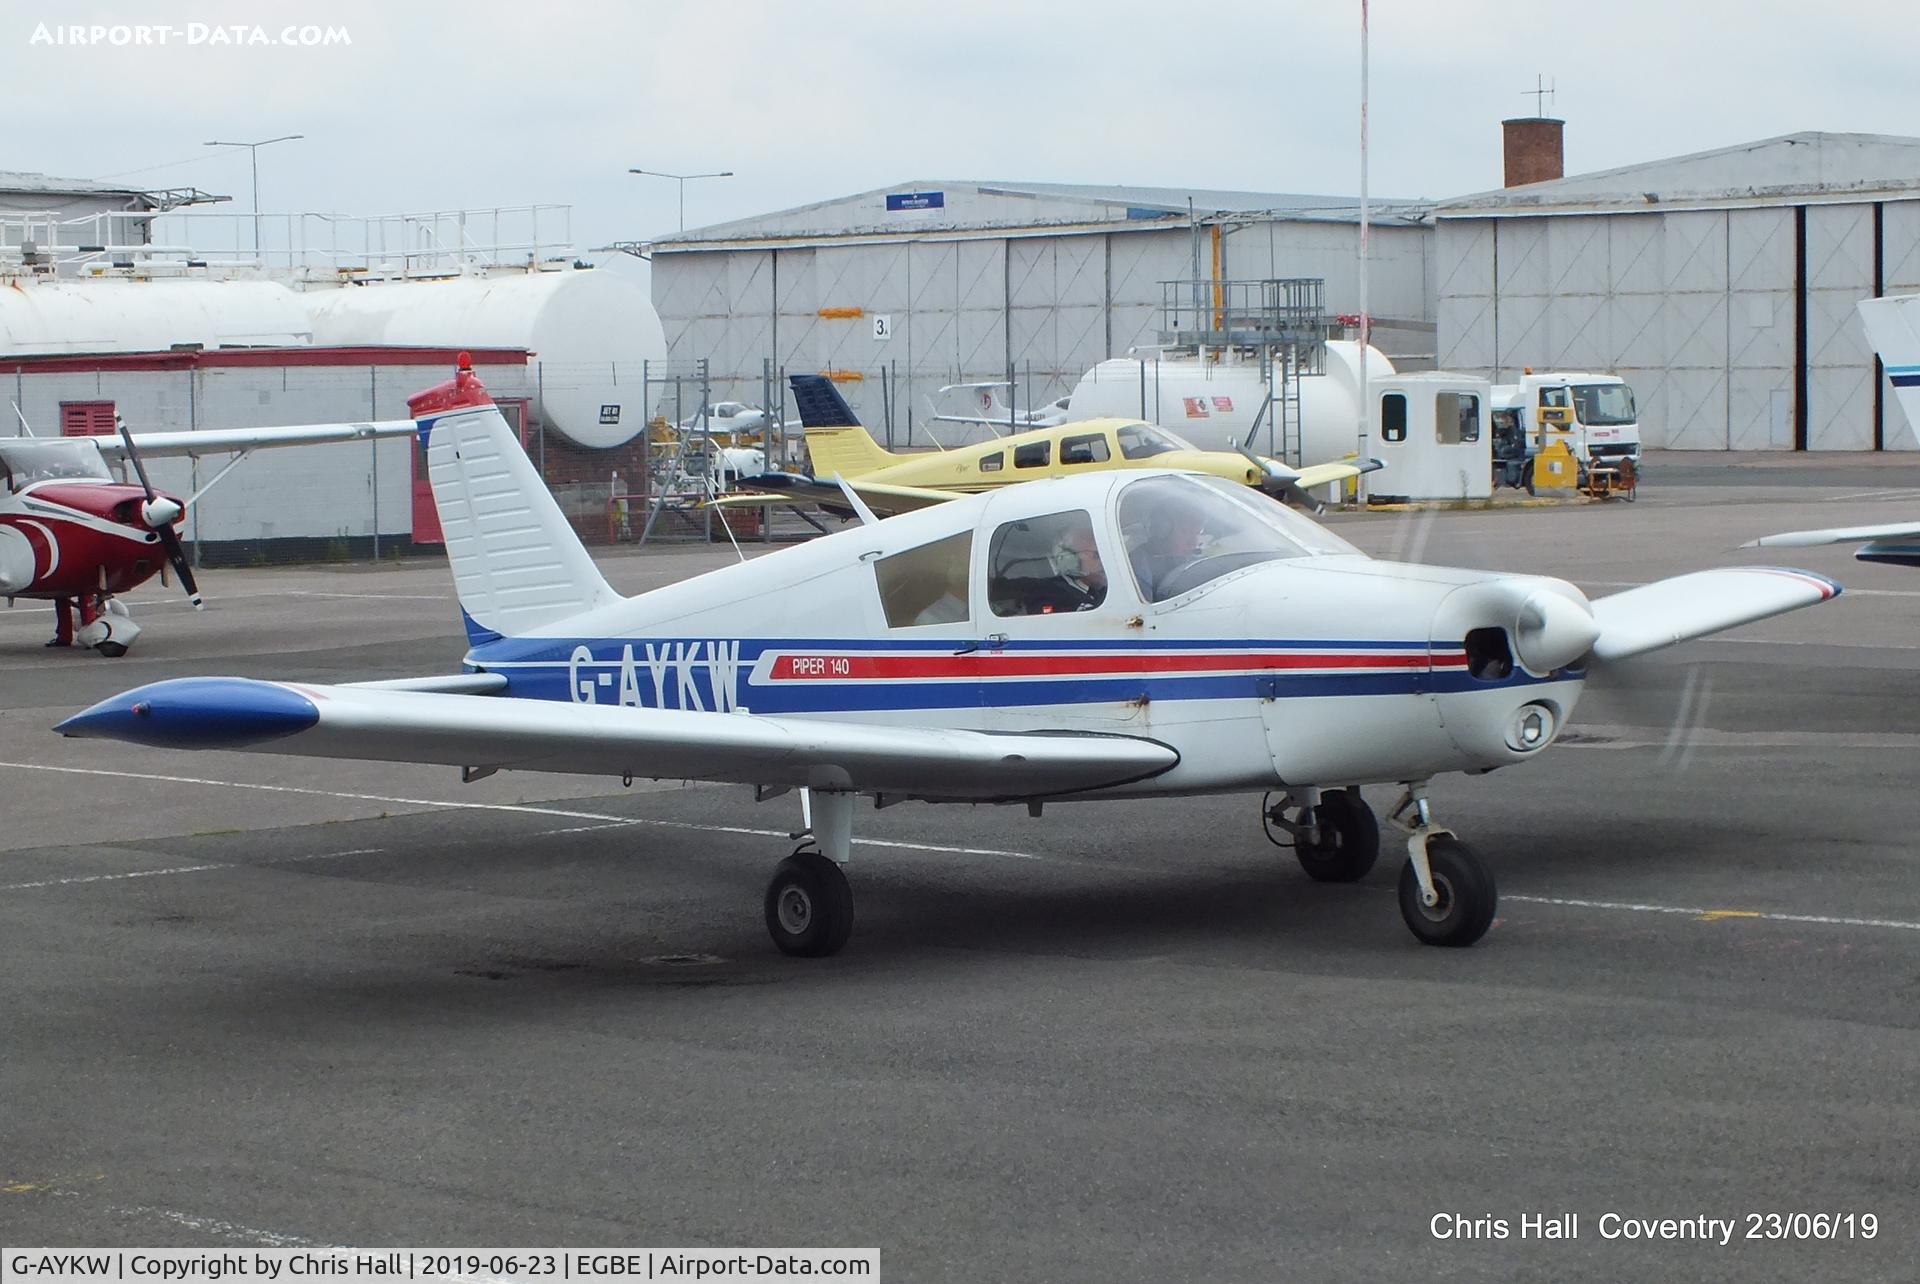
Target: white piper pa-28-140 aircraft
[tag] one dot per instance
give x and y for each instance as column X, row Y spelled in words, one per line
column 1124, row 634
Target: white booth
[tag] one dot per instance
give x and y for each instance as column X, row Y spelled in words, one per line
column 1432, row 434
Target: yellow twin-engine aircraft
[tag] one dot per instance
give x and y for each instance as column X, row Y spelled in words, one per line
column 849, row 464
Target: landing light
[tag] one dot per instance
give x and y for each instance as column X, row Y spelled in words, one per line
column 1531, row 728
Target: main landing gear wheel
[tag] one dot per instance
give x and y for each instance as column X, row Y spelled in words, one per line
column 1463, row 891
column 112, row 650
column 809, row 905
column 1348, row 841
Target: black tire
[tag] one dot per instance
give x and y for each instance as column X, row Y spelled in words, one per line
column 1349, row 839
column 809, row 906
column 1526, row 476
column 112, row 650
column 1465, row 887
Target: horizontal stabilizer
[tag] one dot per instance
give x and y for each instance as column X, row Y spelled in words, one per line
column 222, row 441
column 613, row 740
column 1691, row 606
column 883, row 498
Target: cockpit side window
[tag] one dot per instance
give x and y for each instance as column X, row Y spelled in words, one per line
column 926, row 585
column 1045, row 566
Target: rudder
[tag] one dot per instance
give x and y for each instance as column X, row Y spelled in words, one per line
column 1893, row 330
column 517, row 563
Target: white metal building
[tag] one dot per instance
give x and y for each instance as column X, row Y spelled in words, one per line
column 1721, row 285
column 903, row 289
column 294, row 503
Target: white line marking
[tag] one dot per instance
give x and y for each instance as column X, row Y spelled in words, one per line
column 108, row 878
column 179, row 869
column 1765, row 916
column 214, row 1226
column 565, row 813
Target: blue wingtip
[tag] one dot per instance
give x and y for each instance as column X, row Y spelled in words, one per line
column 196, row 713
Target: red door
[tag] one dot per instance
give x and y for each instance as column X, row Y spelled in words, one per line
column 426, row 518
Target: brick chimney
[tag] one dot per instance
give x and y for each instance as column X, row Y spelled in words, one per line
column 1535, row 152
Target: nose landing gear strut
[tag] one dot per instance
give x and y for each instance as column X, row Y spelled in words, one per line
column 1447, row 895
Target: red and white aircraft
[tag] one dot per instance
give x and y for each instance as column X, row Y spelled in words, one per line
column 1110, row 635
column 72, row 535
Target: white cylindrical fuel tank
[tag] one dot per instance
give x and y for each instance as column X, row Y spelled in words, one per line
column 1213, row 403
column 148, row 316
column 577, row 324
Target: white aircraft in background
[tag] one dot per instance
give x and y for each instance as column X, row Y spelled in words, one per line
column 1130, row 634
column 1893, row 328
column 983, row 404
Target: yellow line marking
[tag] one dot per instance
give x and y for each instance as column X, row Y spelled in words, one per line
column 1714, row 916
column 53, row 1183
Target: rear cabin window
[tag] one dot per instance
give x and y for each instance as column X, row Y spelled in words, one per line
column 1393, row 417
column 1456, row 417
column 1089, row 449
column 926, row 585
column 1034, row 454
column 1046, row 566
column 993, row 463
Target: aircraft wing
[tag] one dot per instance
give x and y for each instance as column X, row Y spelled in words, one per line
column 1691, row 606
column 797, row 488
column 1897, row 543
column 220, row 441
column 494, row 732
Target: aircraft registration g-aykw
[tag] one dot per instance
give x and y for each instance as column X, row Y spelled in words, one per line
column 1112, row 635
column 1893, row 329
column 845, row 452
column 69, row 533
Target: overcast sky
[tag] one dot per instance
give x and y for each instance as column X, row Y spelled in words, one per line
column 438, row 106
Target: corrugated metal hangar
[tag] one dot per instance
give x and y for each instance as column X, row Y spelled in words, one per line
column 1721, row 285
column 941, row 282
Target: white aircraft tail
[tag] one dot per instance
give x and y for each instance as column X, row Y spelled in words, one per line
column 1893, row 328
column 517, row 563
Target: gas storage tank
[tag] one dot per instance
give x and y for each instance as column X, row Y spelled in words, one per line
column 1213, row 403
column 148, row 316
column 577, row 323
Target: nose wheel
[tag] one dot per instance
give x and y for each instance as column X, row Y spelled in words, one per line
column 1447, row 893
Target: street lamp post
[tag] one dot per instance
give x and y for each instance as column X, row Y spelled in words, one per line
column 681, row 179
column 253, row 152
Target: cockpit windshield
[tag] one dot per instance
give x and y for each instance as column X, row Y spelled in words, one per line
column 1603, row 405
column 27, row 461
column 1182, row 532
column 1144, row 441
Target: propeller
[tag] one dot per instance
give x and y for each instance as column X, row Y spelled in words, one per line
column 1281, row 482
column 159, row 513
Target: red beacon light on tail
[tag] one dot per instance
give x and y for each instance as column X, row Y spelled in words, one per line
column 464, row 389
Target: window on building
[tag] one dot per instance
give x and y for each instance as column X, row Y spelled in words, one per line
column 926, row 585
column 1032, row 455
column 993, row 463
column 86, row 418
column 1393, row 417
column 1456, row 417
column 1089, row 449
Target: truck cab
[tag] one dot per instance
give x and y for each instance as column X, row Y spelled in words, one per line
column 1594, row 414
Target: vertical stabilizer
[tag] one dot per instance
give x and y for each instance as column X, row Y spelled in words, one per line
column 1893, row 328
column 835, row 440
column 517, row 564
